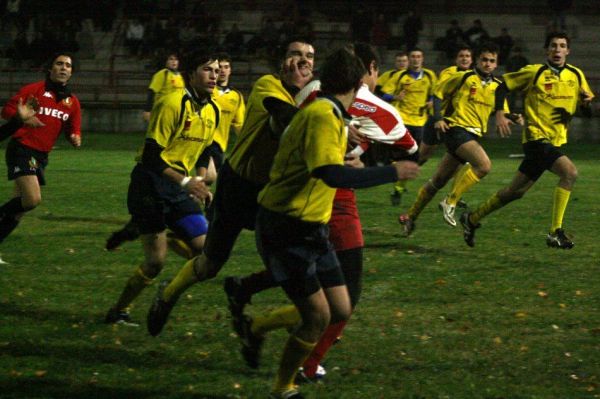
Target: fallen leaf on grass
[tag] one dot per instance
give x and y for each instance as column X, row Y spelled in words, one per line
column 578, row 293
column 70, row 250
column 542, row 294
column 440, row 281
column 562, row 305
column 497, row 340
column 41, row 373
column 15, row 373
column 520, row 314
column 237, row 385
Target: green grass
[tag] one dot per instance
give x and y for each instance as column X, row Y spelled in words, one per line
column 510, row 318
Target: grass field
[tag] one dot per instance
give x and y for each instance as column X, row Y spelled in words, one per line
column 510, row 318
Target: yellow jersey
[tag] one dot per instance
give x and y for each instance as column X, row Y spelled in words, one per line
column 252, row 155
column 419, row 89
column 315, row 137
column 386, row 76
column 183, row 128
column 231, row 103
column 165, row 82
column 547, row 90
column 471, row 100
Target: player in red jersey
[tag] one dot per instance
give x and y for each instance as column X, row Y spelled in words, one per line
column 27, row 151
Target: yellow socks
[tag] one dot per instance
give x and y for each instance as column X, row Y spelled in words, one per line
column 294, row 354
column 561, row 199
column 461, row 186
column 460, row 174
column 284, row 317
column 136, row 283
column 180, row 247
column 423, row 198
column 400, row 186
column 486, row 208
column 184, row 279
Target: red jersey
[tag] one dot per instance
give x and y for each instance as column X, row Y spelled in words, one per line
column 58, row 116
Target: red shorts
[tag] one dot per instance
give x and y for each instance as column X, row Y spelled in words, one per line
column 345, row 231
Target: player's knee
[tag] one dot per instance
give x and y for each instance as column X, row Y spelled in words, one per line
column 571, row 175
column 482, row 169
column 341, row 313
column 206, row 268
column 31, row 202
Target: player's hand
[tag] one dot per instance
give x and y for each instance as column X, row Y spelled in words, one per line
column 586, row 98
column 406, row 170
column 516, row 118
column 441, row 126
column 75, row 140
column 400, row 96
column 296, row 74
column 354, row 135
column 353, row 161
column 503, row 124
column 561, row 115
column 26, row 112
column 198, row 189
column 146, row 116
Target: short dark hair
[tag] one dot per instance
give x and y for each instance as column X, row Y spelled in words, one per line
column 224, row 57
column 341, row 72
column 50, row 61
column 192, row 60
column 283, row 48
column 557, row 35
column 401, row 54
column 366, row 53
column 463, row 48
column 412, row 50
column 488, row 47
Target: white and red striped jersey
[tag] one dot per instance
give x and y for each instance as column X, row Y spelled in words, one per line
column 377, row 120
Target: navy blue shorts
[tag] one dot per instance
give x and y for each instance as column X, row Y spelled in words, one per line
column 156, row 203
column 430, row 135
column 455, row 137
column 233, row 209
column 539, row 157
column 298, row 254
column 25, row 161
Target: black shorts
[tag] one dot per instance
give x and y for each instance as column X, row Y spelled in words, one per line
column 25, row 161
column 416, row 132
column 233, row 209
column 430, row 135
column 216, row 153
column 455, row 137
column 156, row 203
column 539, row 157
column 298, row 254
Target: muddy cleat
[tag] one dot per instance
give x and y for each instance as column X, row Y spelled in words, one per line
column 159, row 311
column 468, row 228
column 291, row 394
column 237, row 300
column 408, row 225
column 559, row 239
column 119, row 317
column 251, row 343
column 129, row 232
column 448, row 212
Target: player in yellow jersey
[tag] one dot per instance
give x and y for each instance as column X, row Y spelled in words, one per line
column 411, row 92
column 163, row 82
column 244, row 173
column 431, row 138
column 161, row 192
column 296, row 204
column 400, row 64
column 232, row 105
column 471, row 100
column 552, row 92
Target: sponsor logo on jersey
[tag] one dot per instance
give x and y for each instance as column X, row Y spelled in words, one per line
column 48, row 94
column 364, row 107
column 53, row 112
column 67, row 101
column 548, row 86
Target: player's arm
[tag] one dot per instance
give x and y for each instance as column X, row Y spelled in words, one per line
column 339, row 176
column 73, row 127
column 502, row 122
column 238, row 119
column 281, row 114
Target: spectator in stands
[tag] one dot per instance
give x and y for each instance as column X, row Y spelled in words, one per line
column 188, row 34
column 476, row 34
column 411, row 28
column 19, row 50
column 380, row 34
column 266, row 39
column 559, row 9
column 13, row 15
column 134, row 36
column 233, row 43
column 361, row 24
column 505, row 43
column 516, row 61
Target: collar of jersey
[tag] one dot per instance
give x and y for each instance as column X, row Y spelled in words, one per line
column 195, row 98
column 337, row 106
column 416, row 74
column 484, row 79
column 555, row 70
